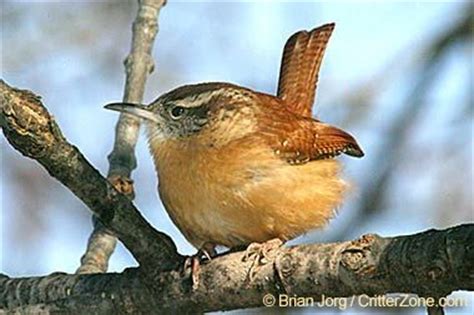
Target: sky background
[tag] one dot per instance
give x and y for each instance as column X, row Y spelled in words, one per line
column 71, row 54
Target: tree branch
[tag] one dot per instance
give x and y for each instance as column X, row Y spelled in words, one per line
column 138, row 65
column 31, row 130
column 430, row 264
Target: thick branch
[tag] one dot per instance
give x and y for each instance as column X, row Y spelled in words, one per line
column 138, row 65
column 31, row 130
column 432, row 263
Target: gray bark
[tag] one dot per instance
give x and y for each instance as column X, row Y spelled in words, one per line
column 432, row 263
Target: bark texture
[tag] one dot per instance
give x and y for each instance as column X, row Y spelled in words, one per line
column 30, row 129
column 432, row 263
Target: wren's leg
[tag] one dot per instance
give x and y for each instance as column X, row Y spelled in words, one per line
column 260, row 254
column 208, row 251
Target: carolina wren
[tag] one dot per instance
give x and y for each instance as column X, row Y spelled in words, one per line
column 237, row 166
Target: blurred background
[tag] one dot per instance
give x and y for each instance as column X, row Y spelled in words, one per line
column 397, row 75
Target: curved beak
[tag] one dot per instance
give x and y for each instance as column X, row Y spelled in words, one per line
column 137, row 110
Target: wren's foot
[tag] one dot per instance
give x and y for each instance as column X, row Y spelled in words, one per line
column 260, row 254
column 207, row 251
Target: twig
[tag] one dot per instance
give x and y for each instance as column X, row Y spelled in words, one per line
column 138, row 65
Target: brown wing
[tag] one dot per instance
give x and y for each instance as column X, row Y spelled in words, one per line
column 303, row 140
column 300, row 66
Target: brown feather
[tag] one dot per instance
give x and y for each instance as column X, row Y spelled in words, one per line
column 301, row 61
column 302, row 139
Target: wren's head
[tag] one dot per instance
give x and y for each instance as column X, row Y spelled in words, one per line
column 212, row 109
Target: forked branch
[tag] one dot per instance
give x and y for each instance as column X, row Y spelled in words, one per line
column 430, row 264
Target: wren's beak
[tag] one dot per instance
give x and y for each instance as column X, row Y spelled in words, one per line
column 137, row 110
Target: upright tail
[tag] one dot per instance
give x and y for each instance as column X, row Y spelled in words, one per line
column 300, row 66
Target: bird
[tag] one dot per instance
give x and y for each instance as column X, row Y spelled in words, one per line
column 238, row 167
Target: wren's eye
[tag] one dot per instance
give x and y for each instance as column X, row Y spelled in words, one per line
column 177, row 112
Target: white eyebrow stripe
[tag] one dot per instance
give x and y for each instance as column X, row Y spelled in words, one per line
column 197, row 100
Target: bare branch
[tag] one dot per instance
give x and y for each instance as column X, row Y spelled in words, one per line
column 31, row 130
column 431, row 264
column 138, row 65
column 100, row 246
